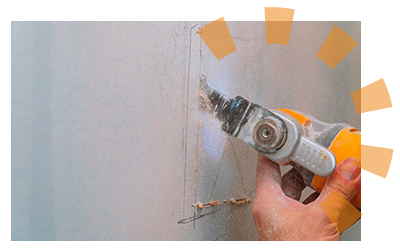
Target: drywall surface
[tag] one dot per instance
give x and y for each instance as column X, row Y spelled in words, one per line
column 108, row 142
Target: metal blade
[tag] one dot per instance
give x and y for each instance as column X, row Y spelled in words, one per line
column 229, row 111
column 213, row 101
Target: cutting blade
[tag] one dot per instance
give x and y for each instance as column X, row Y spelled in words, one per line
column 229, row 111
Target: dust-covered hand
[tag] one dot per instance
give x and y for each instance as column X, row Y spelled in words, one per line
column 279, row 215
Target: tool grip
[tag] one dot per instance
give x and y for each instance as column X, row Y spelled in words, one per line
column 345, row 145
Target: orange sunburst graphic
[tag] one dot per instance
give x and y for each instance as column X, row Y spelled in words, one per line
column 373, row 97
column 218, row 38
column 337, row 45
column 278, row 24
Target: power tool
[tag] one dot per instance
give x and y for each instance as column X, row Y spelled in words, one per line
column 285, row 136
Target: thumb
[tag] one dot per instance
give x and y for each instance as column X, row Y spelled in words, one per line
column 340, row 189
column 345, row 179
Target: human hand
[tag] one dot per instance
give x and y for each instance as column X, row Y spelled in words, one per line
column 280, row 216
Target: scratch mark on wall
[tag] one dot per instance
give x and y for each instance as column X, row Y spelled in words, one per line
column 194, row 218
column 219, row 169
column 237, row 163
column 187, row 117
column 204, row 66
column 249, row 94
column 197, row 146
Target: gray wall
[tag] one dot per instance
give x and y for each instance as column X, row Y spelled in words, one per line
column 107, row 141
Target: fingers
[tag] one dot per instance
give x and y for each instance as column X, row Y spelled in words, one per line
column 268, row 177
column 268, row 197
column 340, row 189
column 345, row 179
column 268, row 187
column 293, row 184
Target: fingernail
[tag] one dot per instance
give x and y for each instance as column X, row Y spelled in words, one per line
column 351, row 169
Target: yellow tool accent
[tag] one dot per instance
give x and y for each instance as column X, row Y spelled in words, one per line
column 343, row 146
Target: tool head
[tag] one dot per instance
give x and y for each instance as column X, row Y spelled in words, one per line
column 275, row 134
column 229, row 111
column 268, row 134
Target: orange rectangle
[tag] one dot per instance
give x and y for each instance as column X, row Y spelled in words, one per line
column 371, row 97
column 278, row 14
column 218, row 39
column 336, row 47
column 278, row 32
column 340, row 212
column 278, row 24
column 376, row 160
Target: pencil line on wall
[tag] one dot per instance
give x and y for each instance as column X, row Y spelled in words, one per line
column 249, row 94
column 198, row 136
column 219, row 169
column 237, row 163
column 187, row 119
